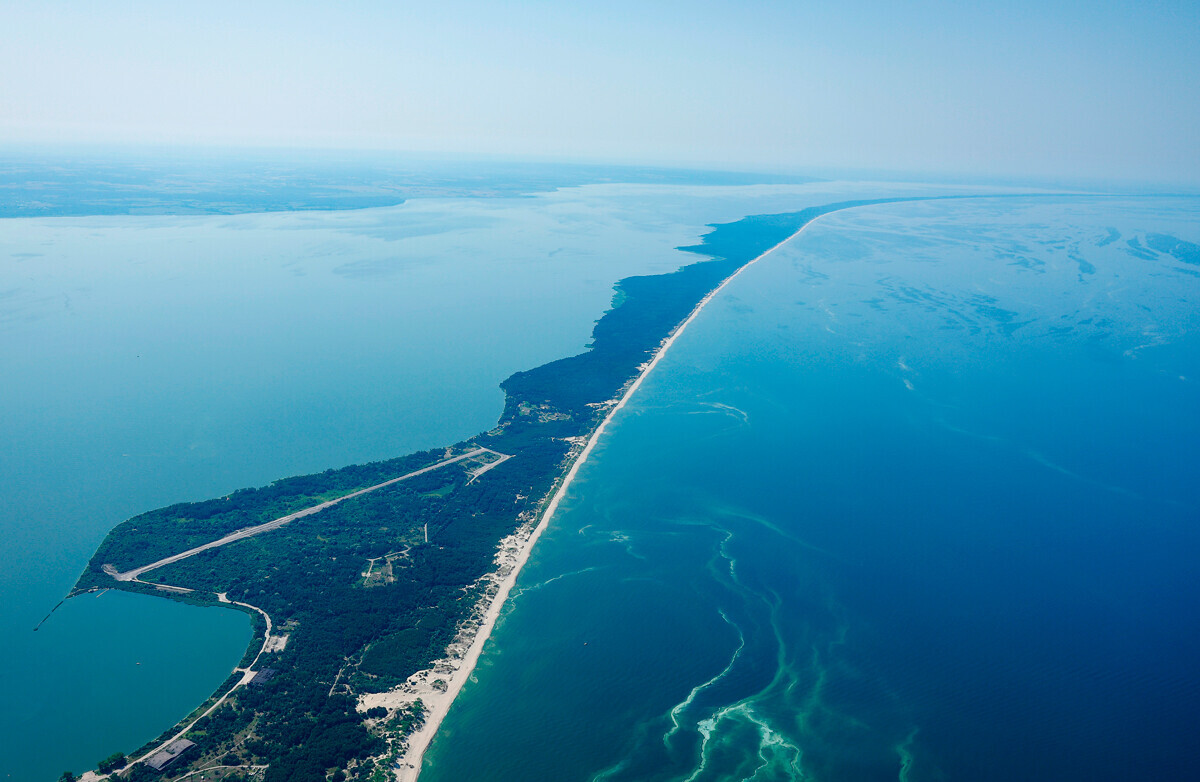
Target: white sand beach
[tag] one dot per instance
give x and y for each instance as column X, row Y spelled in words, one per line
column 437, row 687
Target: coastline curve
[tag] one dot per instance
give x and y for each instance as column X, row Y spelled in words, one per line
column 408, row 768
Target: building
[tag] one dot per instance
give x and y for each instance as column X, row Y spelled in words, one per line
column 262, row 677
column 169, row 754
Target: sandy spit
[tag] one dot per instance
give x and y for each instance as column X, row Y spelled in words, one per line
column 438, row 687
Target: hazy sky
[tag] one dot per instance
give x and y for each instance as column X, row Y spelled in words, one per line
column 1043, row 87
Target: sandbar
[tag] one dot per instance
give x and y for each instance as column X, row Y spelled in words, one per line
column 439, row 686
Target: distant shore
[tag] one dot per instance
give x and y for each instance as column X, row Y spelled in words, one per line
column 438, row 687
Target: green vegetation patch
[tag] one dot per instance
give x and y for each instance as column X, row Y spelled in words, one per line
column 346, row 639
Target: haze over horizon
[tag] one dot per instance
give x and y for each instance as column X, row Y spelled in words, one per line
column 1020, row 89
column 670, row 392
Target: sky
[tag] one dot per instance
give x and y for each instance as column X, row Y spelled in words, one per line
column 1045, row 88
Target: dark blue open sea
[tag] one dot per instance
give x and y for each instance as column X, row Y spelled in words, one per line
column 914, row 499
column 153, row 359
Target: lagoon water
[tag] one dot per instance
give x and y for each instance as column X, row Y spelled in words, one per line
column 914, row 499
column 155, row 359
column 150, row 360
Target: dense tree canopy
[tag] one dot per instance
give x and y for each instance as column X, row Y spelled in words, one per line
column 349, row 634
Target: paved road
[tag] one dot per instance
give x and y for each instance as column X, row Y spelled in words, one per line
column 249, row 671
column 248, row 532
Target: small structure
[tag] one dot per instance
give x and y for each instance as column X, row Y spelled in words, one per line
column 262, row 677
column 169, row 754
column 275, row 643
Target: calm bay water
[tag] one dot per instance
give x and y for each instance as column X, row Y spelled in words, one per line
column 151, row 360
column 914, row 499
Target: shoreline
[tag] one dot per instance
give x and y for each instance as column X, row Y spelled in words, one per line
column 457, row 670
column 647, row 315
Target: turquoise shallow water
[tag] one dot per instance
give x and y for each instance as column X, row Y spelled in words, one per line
column 150, row 360
column 914, row 499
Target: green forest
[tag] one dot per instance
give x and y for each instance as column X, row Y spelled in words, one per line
column 350, row 635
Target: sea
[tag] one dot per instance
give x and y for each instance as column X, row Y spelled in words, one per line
column 149, row 359
column 914, row 498
column 911, row 499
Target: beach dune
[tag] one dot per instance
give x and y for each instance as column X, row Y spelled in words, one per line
column 438, row 686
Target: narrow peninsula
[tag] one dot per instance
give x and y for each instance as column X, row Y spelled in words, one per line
column 372, row 588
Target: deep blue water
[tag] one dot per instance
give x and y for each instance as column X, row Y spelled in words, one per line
column 148, row 360
column 914, row 499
